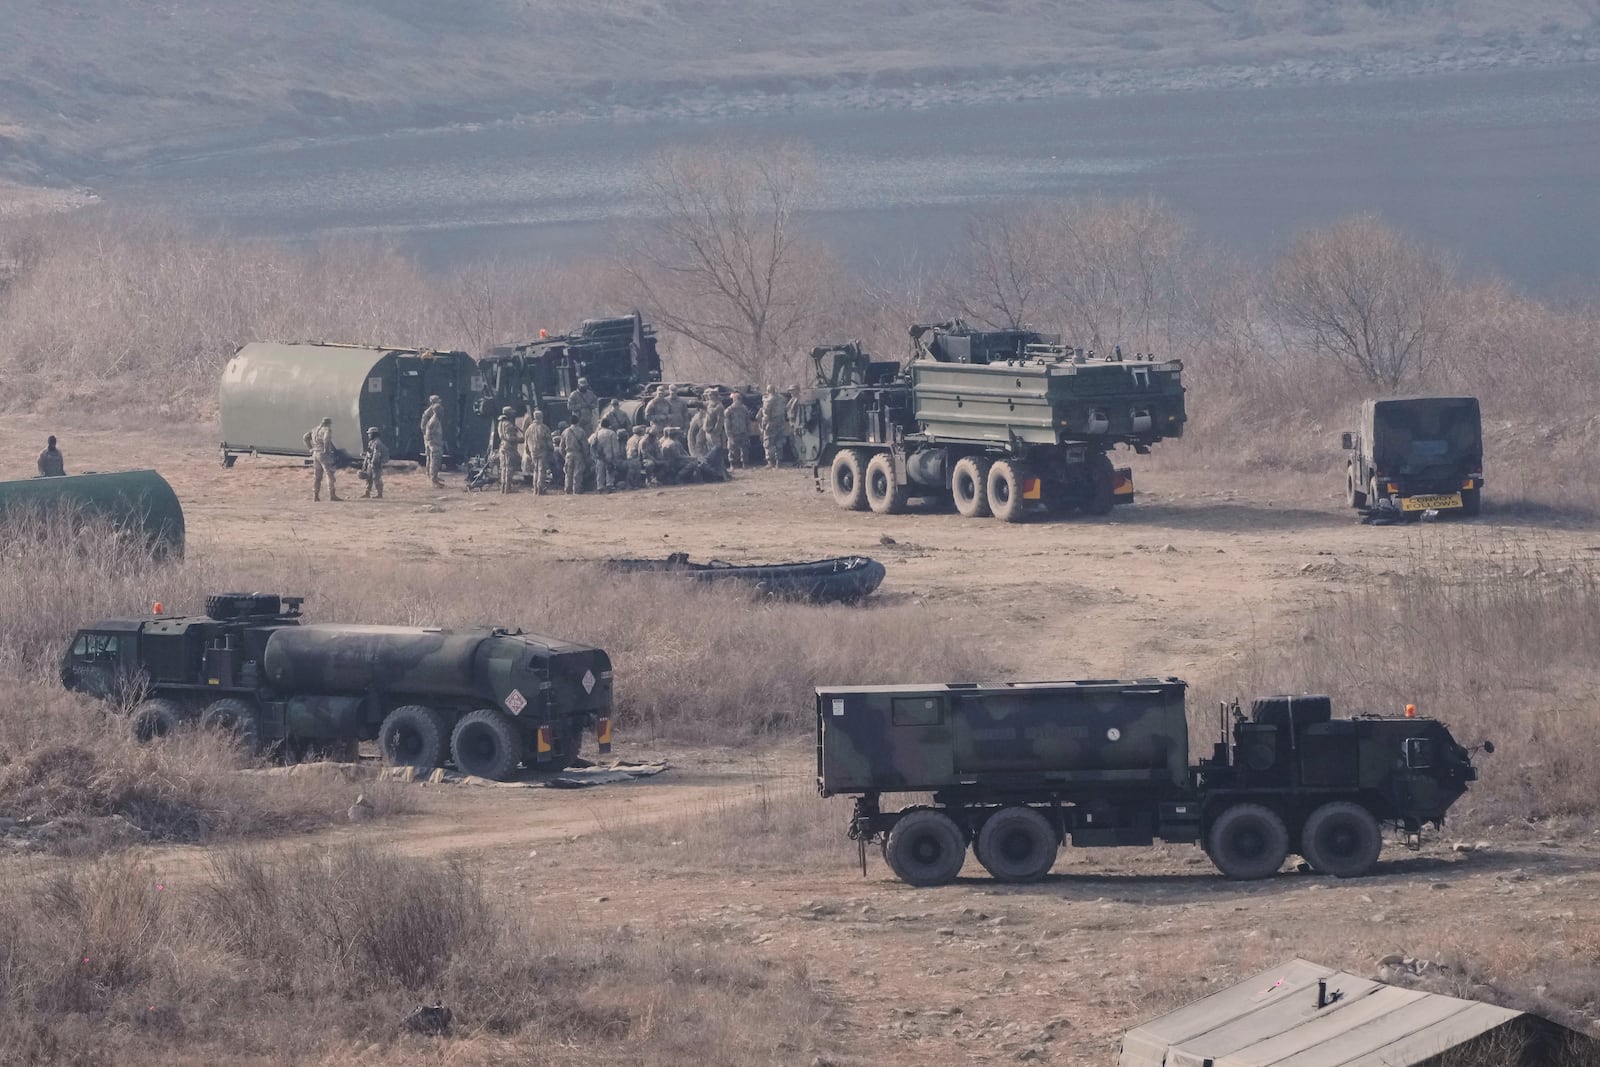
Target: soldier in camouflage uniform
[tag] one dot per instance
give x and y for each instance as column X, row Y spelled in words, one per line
column 607, row 452
column 574, row 456
column 324, row 457
column 433, row 438
column 737, row 421
column 581, row 405
column 772, row 420
column 699, row 444
column 373, row 457
column 536, row 449
column 634, row 461
column 716, row 421
column 509, row 446
column 658, row 412
column 616, row 418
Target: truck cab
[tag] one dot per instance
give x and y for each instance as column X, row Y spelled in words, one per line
column 1418, row 453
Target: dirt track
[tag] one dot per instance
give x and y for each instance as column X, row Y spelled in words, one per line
column 1180, row 582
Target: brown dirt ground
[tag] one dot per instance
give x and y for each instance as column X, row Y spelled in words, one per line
column 1189, row 578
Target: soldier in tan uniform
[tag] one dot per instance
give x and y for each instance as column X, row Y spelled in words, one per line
column 373, row 457
column 773, row 420
column 737, row 421
column 574, row 458
column 536, row 449
column 508, row 446
column 433, row 438
column 324, row 457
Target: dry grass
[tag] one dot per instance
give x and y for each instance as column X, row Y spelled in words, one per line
column 314, row 957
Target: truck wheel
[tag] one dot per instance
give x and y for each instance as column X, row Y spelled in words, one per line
column 1353, row 496
column 925, row 848
column 1005, row 490
column 1102, row 485
column 487, row 744
column 413, row 736
column 969, row 484
column 1247, row 842
column 155, row 719
column 1017, row 845
column 1471, row 502
column 235, row 719
column 849, row 480
column 1341, row 839
column 884, row 494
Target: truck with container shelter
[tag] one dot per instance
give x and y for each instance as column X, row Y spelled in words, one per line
column 488, row 699
column 1009, row 423
column 272, row 393
column 1015, row 769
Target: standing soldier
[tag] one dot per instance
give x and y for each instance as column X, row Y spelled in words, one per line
column 738, row 424
column 615, row 417
column 635, row 457
column 772, row 420
column 607, row 457
column 716, row 421
column 324, row 456
column 581, row 404
column 373, row 457
column 658, row 412
column 433, row 438
column 509, row 448
column 699, row 443
column 51, row 465
column 573, row 448
column 536, row 449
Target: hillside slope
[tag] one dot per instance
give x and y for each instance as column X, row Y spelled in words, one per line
column 87, row 85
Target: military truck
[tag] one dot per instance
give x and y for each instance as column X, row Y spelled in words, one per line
column 616, row 354
column 1009, row 423
column 1016, row 769
column 491, row 699
column 1419, row 453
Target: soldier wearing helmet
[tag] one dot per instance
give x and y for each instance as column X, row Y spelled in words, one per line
column 582, row 404
column 574, row 456
column 772, row 420
column 433, row 438
column 373, row 457
column 509, row 448
column 737, row 421
column 658, row 412
column 536, row 449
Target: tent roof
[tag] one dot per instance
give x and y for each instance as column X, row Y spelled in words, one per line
column 1272, row 1020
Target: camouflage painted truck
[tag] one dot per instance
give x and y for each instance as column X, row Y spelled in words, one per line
column 492, row 699
column 1009, row 423
column 1418, row 453
column 1017, row 769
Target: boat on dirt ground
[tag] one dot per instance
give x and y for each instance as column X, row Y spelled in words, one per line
column 843, row 579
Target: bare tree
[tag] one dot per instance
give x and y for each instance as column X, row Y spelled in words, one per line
column 721, row 262
column 1363, row 295
column 1008, row 267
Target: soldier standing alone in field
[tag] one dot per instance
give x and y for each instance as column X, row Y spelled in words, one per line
column 509, row 448
column 433, row 438
column 772, row 420
column 536, row 449
column 51, row 465
column 373, row 458
column 581, row 404
column 574, row 445
column 737, row 421
column 324, row 457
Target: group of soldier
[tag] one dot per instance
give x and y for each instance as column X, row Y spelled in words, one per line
column 597, row 449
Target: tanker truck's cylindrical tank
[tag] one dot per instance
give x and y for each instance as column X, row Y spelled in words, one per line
column 325, row 658
column 139, row 501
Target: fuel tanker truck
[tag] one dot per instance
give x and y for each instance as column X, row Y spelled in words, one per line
column 1017, row 769
column 490, row 699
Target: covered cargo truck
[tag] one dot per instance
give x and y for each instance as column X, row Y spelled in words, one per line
column 272, row 393
column 138, row 502
column 1009, row 423
column 1016, row 769
column 491, row 699
column 1419, row 454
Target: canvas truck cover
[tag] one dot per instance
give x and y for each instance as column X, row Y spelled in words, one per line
column 272, row 393
column 139, row 500
column 1416, row 434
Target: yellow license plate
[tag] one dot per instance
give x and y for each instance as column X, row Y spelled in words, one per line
column 1431, row 503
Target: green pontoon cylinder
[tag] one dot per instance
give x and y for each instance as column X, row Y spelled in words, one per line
column 130, row 500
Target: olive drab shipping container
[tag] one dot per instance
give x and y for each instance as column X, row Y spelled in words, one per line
column 272, row 393
column 139, row 500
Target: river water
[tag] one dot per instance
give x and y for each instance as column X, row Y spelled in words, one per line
column 1500, row 167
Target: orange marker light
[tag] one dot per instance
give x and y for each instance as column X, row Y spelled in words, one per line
column 157, row 609
column 543, row 335
column 1411, row 711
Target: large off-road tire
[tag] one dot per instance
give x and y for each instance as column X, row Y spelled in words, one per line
column 414, row 736
column 969, row 485
column 1353, row 496
column 488, row 744
column 224, row 606
column 1248, row 841
column 1102, row 485
column 1342, row 839
column 848, row 476
column 1471, row 502
column 884, row 494
column 156, row 718
column 925, row 848
column 1017, row 845
column 1005, row 490
column 235, row 719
